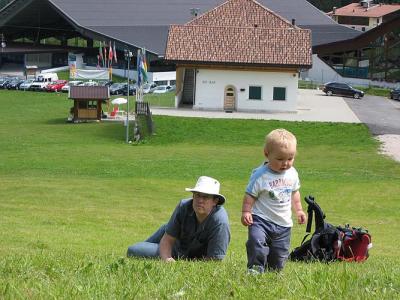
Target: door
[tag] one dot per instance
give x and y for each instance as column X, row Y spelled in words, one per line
column 229, row 98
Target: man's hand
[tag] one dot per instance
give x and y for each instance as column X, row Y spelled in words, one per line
column 169, row 260
column 247, row 218
column 166, row 244
column 301, row 217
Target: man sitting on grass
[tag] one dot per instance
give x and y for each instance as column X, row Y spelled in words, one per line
column 197, row 229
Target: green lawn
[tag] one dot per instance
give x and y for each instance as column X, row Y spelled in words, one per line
column 74, row 196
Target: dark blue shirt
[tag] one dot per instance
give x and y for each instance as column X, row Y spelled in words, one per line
column 210, row 239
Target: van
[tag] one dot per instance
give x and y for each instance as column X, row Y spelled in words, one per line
column 43, row 80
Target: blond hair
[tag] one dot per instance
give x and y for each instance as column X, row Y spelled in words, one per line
column 279, row 138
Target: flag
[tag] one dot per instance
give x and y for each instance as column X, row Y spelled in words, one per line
column 110, row 54
column 143, row 65
column 105, row 54
column 98, row 61
column 115, row 54
column 100, row 53
column 139, row 76
column 144, row 62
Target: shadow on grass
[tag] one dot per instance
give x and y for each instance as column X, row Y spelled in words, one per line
column 92, row 129
column 57, row 121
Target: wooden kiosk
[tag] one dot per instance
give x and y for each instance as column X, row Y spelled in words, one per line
column 87, row 102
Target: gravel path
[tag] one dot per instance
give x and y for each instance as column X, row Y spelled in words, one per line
column 382, row 116
column 390, row 145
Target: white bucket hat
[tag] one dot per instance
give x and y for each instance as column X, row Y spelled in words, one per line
column 208, row 185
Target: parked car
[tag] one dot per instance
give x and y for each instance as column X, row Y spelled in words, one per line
column 342, row 89
column 117, row 88
column 65, row 88
column 105, row 83
column 26, row 84
column 149, row 88
column 55, row 86
column 14, row 83
column 43, row 80
column 4, row 82
column 161, row 89
column 90, row 83
column 395, row 94
column 132, row 90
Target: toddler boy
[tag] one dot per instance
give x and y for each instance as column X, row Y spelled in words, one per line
column 272, row 191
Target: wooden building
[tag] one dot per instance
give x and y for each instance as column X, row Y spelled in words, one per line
column 88, row 101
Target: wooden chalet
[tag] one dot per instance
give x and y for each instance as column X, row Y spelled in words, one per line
column 88, row 101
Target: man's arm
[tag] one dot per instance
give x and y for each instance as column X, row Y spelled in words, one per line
column 166, row 244
column 248, row 202
column 296, row 204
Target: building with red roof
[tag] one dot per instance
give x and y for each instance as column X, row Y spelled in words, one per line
column 238, row 56
column 365, row 15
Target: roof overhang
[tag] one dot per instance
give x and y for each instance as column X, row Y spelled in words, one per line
column 238, row 66
column 38, row 19
column 26, row 48
column 360, row 41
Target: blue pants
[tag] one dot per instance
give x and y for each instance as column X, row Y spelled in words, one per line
column 267, row 246
column 150, row 248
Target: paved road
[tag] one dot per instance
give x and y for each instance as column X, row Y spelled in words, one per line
column 381, row 115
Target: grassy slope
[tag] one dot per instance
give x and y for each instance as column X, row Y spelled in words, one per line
column 74, row 196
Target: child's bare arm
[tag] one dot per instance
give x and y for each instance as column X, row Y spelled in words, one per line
column 296, row 204
column 248, row 202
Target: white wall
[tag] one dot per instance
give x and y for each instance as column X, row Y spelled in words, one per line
column 164, row 76
column 320, row 72
column 210, row 86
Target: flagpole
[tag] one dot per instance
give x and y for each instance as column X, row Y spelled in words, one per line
column 128, row 55
column 138, row 75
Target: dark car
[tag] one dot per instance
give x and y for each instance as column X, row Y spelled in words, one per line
column 343, row 89
column 132, row 90
column 14, row 84
column 4, row 83
column 117, row 88
column 106, row 83
column 395, row 94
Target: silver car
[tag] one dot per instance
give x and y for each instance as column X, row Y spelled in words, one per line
column 65, row 88
column 26, row 84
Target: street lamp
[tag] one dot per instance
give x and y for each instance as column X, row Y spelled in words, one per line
column 128, row 56
column 3, row 42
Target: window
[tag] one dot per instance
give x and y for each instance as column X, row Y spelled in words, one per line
column 279, row 93
column 254, row 92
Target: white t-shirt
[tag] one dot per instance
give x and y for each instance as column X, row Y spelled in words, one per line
column 273, row 194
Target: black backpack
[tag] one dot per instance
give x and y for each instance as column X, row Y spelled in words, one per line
column 329, row 242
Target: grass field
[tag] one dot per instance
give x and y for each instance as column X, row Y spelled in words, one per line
column 74, row 196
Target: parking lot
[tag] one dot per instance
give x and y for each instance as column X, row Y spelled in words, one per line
column 312, row 105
